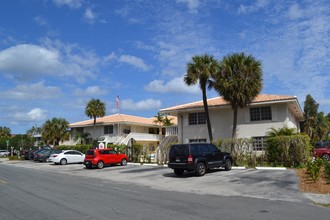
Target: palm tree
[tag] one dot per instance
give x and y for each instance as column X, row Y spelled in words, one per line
column 95, row 108
column 5, row 132
column 239, row 82
column 54, row 131
column 159, row 120
column 167, row 121
column 285, row 131
column 202, row 69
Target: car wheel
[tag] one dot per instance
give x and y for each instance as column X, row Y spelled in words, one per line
column 326, row 157
column 228, row 164
column 63, row 161
column 88, row 166
column 46, row 159
column 123, row 162
column 200, row 169
column 100, row 164
column 179, row 172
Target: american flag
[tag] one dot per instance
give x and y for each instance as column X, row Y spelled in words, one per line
column 117, row 102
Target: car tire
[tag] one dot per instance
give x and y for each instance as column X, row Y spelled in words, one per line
column 228, row 164
column 46, row 159
column 200, row 169
column 63, row 161
column 326, row 157
column 179, row 172
column 88, row 166
column 123, row 162
column 100, row 164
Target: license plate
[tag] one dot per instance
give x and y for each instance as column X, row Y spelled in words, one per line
column 177, row 159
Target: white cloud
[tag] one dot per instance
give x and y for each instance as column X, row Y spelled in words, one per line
column 40, row 20
column 89, row 15
column 259, row 4
column 176, row 85
column 27, row 61
column 192, row 4
column 295, row 12
column 90, row 91
column 34, row 91
column 36, row 114
column 134, row 61
column 69, row 3
column 147, row 104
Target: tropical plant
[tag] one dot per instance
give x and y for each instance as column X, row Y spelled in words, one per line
column 167, row 121
column 310, row 114
column 95, row 108
column 285, row 131
column 82, row 137
column 239, row 81
column 5, row 132
column 201, row 70
column 159, row 120
column 54, row 131
column 33, row 131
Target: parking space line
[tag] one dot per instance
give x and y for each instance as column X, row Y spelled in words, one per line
column 1, row 181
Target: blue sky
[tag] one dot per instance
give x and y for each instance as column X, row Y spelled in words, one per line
column 55, row 55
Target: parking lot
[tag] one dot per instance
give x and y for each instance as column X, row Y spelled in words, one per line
column 267, row 184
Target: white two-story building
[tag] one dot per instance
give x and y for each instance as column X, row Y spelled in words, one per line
column 254, row 121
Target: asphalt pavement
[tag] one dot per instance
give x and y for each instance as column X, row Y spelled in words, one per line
column 281, row 185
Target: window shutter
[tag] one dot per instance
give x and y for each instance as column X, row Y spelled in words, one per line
column 274, row 113
column 247, row 115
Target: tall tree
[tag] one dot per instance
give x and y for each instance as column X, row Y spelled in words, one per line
column 201, row 70
column 159, row 120
column 310, row 114
column 54, row 131
column 167, row 121
column 5, row 132
column 33, row 131
column 321, row 127
column 239, row 81
column 95, row 108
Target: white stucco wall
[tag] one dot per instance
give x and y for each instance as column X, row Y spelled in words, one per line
column 222, row 120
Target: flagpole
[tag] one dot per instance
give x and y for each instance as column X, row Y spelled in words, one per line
column 118, row 105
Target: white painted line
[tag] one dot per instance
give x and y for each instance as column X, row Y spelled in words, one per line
column 270, row 168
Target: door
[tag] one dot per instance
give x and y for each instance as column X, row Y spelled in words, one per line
column 214, row 156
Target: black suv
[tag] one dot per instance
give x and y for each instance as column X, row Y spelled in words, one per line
column 197, row 157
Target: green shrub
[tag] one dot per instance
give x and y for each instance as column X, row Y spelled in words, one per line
column 327, row 171
column 14, row 158
column 79, row 147
column 314, row 168
column 288, row 151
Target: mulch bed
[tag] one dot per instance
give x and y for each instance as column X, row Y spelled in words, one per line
column 307, row 184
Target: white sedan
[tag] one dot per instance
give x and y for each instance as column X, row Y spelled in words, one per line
column 67, row 156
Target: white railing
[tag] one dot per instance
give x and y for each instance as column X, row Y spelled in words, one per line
column 171, row 131
column 141, row 137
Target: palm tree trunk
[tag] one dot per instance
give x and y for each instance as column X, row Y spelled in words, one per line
column 94, row 128
column 206, row 109
column 233, row 134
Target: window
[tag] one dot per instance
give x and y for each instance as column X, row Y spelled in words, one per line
column 259, row 143
column 108, row 129
column 201, row 140
column 197, row 118
column 261, row 113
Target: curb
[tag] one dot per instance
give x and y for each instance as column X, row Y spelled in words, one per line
column 270, row 168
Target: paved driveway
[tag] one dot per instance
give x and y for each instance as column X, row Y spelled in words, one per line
column 266, row 184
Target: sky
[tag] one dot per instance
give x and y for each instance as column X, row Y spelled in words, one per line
column 55, row 55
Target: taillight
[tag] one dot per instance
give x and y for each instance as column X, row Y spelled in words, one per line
column 190, row 159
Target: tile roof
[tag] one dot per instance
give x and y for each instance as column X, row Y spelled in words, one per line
column 219, row 101
column 120, row 118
